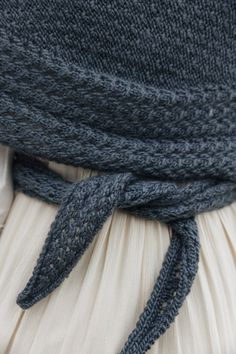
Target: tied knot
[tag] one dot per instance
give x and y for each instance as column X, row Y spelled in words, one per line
column 85, row 207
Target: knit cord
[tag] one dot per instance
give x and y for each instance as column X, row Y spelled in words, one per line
column 172, row 286
column 169, row 152
column 85, row 206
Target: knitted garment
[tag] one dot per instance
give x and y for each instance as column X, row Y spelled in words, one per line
column 144, row 92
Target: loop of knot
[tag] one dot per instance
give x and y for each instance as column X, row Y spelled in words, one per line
column 153, row 119
column 86, row 205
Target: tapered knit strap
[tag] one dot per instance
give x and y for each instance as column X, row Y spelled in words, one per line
column 142, row 92
column 172, row 286
column 86, row 205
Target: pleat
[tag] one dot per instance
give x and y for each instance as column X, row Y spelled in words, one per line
column 98, row 305
column 6, row 187
column 22, row 237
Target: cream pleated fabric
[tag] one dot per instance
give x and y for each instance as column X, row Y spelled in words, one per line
column 95, row 309
column 6, row 189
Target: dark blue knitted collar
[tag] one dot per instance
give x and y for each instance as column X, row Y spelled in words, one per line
column 144, row 93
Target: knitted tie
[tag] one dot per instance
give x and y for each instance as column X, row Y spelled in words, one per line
column 143, row 92
column 85, row 206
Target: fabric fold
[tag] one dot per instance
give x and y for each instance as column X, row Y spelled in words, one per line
column 143, row 94
column 84, row 208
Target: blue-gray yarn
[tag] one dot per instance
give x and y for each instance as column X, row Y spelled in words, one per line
column 143, row 91
column 85, row 206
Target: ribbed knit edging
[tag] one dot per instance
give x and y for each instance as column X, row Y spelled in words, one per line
column 30, row 131
column 63, row 90
column 125, row 87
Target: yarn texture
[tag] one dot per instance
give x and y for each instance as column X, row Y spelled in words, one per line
column 145, row 93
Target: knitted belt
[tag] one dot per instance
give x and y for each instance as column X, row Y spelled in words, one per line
column 166, row 155
column 85, row 206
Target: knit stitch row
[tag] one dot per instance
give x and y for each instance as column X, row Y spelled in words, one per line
column 85, row 206
column 142, row 91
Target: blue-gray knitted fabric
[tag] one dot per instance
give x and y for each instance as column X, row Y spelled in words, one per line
column 142, row 91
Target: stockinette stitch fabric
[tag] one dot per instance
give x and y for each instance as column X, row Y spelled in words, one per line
column 144, row 92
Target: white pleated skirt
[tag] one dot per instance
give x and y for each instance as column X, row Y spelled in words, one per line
column 97, row 306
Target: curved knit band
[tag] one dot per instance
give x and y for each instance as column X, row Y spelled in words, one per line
column 144, row 92
column 187, row 134
column 144, row 197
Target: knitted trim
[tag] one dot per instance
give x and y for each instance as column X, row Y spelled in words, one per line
column 148, row 140
column 107, row 103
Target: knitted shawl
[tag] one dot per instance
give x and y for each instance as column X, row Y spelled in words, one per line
column 143, row 91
